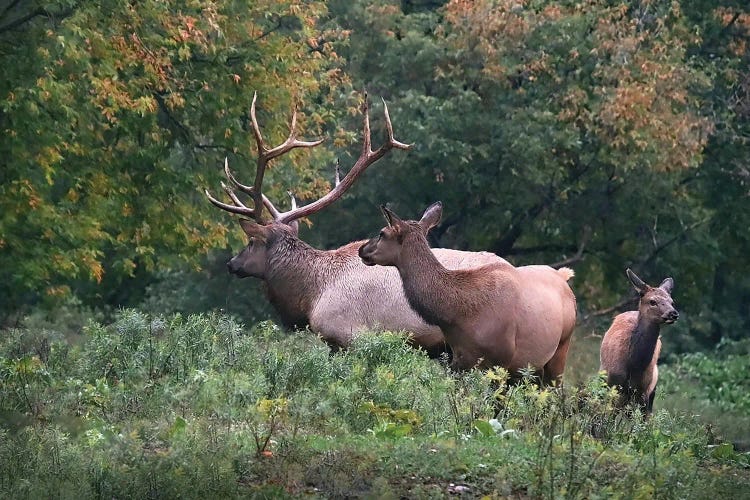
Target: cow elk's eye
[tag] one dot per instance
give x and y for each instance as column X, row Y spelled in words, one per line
column 382, row 233
column 652, row 302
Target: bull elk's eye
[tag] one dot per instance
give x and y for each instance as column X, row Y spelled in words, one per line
column 652, row 302
column 382, row 233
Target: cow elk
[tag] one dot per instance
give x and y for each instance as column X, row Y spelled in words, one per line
column 630, row 348
column 331, row 291
column 494, row 315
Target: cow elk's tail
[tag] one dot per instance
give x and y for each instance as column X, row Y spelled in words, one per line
column 566, row 273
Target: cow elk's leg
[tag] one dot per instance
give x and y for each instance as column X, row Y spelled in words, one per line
column 553, row 370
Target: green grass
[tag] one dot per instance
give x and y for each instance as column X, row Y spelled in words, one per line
column 202, row 407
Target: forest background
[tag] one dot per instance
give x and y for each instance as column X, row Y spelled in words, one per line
column 598, row 134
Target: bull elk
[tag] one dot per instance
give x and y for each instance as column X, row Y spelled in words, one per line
column 494, row 315
column 630, row 348
column 331, row 291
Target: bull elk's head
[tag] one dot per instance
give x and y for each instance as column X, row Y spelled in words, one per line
column 252, row 260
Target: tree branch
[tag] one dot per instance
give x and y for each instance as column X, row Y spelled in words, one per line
column 505, row 244
column 22, row 20
column 642, row 262
column 608, row 310
column 40, row 12
column 578, row 256
column 165, row 109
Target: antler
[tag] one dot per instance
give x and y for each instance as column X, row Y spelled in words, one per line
column 239, row 207
column 366, row 158
column 265, row 154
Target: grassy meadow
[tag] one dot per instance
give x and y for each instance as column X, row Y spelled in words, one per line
column 204, row 407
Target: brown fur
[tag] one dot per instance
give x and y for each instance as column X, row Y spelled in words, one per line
column 495, row 315
column 332, row 291
column 630, row 349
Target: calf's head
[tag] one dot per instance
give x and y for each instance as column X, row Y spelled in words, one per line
column 656, row 304
column 385, row 249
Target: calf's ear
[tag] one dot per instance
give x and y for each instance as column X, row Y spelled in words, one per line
column 637, row 282
column 667, row 285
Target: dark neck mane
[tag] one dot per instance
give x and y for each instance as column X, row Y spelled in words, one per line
column 427, row 284
column 295, row 277
column 642, row 345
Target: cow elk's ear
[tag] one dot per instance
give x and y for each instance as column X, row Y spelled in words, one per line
column 637, row 282
column 393, row 220
column 431, row 216
column 253, row 229
column 667, row 285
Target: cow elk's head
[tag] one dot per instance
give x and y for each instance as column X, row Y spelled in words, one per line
column 252, row 261
column 385, row 249
column 656, row 304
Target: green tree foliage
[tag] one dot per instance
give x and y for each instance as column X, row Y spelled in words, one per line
column 598, row 134
column 115, row 116
column 724, row 179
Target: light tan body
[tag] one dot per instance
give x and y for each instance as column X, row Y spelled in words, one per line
column 524, row 316
column 495, row 315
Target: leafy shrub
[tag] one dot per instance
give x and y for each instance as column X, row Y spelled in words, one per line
column 199, row 406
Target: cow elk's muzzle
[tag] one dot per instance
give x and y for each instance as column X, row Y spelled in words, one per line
column 365, row 253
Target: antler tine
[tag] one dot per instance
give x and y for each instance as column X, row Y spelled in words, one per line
column 271, row 208
column 256, row 128
column 292, row 141
column 265, row 154
column 241, row 209
column 245, row 189
column 233, row 196
column 389, row 127
column 338, row 172
column 249, row 190
column 366, row 158
column 238, row 207
column 367, row 137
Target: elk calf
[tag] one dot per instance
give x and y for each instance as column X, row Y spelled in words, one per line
column 494, row 315
column 630, row 348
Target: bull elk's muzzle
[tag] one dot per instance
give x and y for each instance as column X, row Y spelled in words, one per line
column 236, row 268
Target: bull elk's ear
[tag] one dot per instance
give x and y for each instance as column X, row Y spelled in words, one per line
column 393, row 219
column 253, row 229
column 637, row 282
column 431, row 216
column 667, row 285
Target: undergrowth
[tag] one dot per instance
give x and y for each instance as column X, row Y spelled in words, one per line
column 200, row 406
